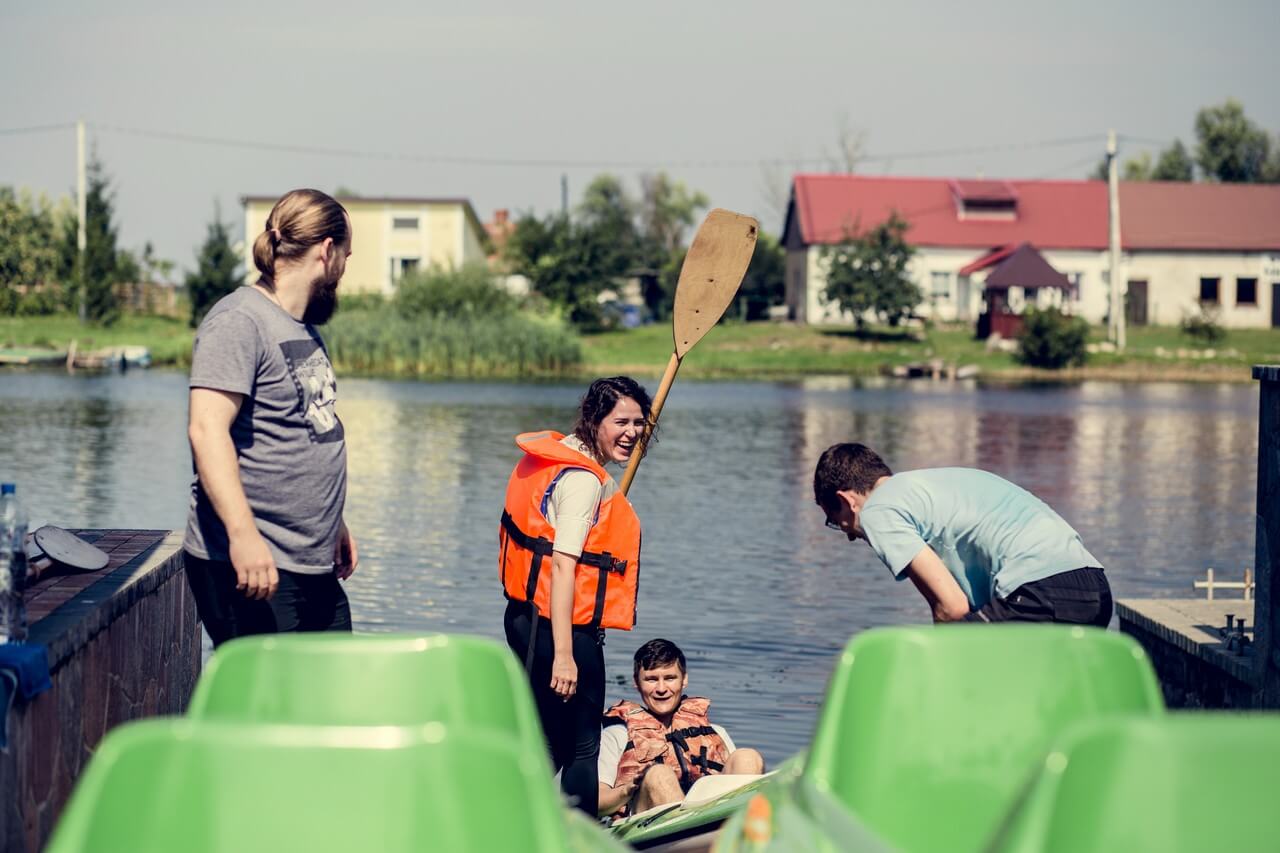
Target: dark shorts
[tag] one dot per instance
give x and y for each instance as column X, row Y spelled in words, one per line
column 302, row 602
column 1077, row 597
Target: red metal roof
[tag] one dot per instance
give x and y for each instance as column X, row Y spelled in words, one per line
column 1049, row 214
column 1232, row 217
column 980, row 190
column 995, row 256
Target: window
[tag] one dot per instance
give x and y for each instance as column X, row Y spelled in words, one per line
column 940, row 285
column 1246, row 291
column 1209, row 290
column 1075, row 278
column 404, row 223
column 400, row 267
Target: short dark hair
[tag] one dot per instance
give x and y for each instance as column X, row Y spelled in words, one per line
column 846, row 467
column 599, row 401
column 656, row 653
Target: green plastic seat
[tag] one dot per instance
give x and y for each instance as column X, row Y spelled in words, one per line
column 203, row 787
column 1183, row 784
column 927, row 734
column 367, row 680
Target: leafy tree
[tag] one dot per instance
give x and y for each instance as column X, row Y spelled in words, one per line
column 1271, row 171
column 28, row 246
column 666, row 211
column 1231, row 148
column 867, row 275
column 1052, row 339
column 217, row 270
column 1174, row 164
column 567, row 263
column 1137, row 168
column 765, row 283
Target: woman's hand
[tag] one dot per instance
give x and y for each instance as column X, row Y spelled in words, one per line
column 564, row 677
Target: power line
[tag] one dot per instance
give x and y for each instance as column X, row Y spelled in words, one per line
column 41, row 128
column 561, row 163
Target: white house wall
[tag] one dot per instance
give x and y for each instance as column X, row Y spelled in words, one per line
column 1173, row 284
column 1089, row 265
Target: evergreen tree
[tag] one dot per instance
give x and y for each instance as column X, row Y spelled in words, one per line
column 217, row 270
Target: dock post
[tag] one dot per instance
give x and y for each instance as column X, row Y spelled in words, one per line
column 1266, row 619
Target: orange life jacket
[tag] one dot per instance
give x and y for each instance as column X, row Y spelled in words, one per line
column 603, row 598
column 689, row 746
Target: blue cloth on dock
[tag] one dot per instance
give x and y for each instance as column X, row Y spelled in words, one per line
column 24, row 671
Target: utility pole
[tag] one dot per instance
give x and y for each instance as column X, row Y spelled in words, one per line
column 564, row 194
column 1113, row 205
column 83, row 205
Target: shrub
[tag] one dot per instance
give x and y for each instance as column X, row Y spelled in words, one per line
column 40, row 302
column 1052, row 339
column 469, row 291
column 1203, row 326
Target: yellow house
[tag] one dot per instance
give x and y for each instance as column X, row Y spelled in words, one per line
column 391, row 236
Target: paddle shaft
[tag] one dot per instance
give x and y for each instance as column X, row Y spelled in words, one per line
column 668, row 379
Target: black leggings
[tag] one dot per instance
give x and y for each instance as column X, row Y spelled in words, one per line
column 572, row 728
column 303, row 602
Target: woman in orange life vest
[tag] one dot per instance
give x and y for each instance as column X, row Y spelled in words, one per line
column 569, row 554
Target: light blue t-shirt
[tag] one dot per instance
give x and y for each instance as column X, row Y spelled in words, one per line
column 992, row 535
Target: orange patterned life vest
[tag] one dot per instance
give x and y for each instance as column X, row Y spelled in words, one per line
column 689, row 746
column 603, row 598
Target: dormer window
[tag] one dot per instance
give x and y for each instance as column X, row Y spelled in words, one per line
column 984, row 200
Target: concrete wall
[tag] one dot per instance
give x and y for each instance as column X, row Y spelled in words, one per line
column 126, row 646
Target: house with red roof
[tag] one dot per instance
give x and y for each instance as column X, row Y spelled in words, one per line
column 1183, row 245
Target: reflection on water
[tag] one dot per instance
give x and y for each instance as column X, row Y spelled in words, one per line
column 738, row 569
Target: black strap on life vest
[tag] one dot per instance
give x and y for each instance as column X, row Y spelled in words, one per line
column 542, row 547
column 679, row 740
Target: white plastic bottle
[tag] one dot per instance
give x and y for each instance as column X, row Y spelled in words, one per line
column 13, row 566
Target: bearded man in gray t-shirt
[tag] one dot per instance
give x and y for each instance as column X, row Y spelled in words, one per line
column 266, row 544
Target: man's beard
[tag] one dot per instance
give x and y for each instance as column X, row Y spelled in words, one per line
column 322, row 301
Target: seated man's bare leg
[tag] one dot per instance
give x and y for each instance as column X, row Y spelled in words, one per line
column 745, row 761
column 659, row 787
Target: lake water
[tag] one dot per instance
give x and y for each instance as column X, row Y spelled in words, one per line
column 738, row 568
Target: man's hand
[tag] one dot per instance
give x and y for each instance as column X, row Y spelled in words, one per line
column 345, row 555
column 256, row 574
column 564, row 676
column 615, row 797
column 930, row 575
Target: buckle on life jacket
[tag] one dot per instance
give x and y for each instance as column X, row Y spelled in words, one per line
column 603, row 561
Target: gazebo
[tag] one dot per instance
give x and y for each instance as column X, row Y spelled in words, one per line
column 1021, row 267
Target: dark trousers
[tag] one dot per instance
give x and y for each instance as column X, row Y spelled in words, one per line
column 302, row 602
column 572, row 728
column 1077, row 597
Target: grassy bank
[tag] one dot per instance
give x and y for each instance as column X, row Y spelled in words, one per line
column 763, row 350
column 168, row 339
column 375, row 343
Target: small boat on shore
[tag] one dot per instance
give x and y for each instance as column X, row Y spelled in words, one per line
column 112, row 358
column 31, row 356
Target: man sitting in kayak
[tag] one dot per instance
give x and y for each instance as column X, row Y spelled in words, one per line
column 977, row 547
column 652, row 753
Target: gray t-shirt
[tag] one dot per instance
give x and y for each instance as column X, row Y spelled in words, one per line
column 288, row 439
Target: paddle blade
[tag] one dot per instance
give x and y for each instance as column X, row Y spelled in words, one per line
column 712, row 271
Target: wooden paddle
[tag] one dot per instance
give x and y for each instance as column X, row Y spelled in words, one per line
column 709, row 279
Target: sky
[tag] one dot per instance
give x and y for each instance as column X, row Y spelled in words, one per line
column 496, row 101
